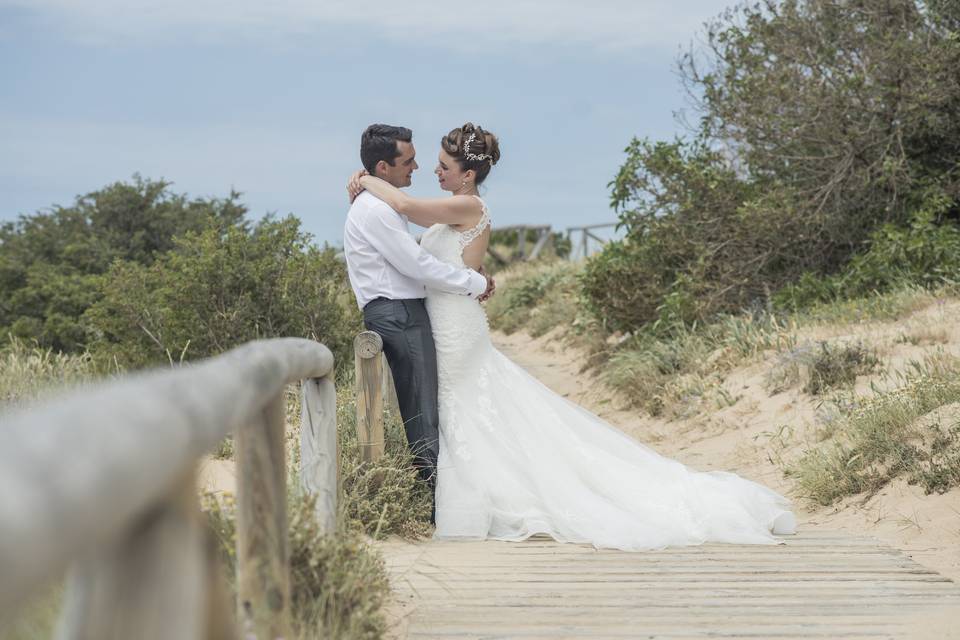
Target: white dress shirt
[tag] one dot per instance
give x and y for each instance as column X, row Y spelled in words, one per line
column 383, row 259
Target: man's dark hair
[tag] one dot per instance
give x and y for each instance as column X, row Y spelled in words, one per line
column 379, row 142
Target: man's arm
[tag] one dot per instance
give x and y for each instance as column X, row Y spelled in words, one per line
column 386, row 233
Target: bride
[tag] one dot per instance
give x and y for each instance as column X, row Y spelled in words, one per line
column 517, row 459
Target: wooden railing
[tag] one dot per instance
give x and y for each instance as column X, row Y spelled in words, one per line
column 542, row 233
column 103, row 480
column 581, row 248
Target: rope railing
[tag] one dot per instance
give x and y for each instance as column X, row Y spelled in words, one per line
column 102, row 481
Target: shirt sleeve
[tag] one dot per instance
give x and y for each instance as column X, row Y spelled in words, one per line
column 385, row 231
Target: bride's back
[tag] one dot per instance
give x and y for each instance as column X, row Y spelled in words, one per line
column 474, row 252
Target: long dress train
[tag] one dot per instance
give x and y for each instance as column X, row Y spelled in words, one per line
column 516, row 459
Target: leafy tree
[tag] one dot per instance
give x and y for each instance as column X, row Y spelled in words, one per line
column 217, row 289
column 49, row 261
column 820, row 122
column 853, row 105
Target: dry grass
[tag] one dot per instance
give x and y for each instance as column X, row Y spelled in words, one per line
column 28, row 373
column 677, row 371
column 886, row 306
column 912, row 430
column 338, row 582
column 822, row 367
column 680, row 373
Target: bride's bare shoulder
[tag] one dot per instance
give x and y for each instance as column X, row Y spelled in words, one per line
column 478, row 214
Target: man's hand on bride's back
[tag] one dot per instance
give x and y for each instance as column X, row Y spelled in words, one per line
column 353, row 185
column 491, row 285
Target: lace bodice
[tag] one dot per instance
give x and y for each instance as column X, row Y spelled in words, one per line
column 447, row 244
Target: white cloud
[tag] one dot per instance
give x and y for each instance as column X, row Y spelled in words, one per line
column 603, row 24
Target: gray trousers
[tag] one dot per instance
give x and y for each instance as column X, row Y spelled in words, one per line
column 408, row 344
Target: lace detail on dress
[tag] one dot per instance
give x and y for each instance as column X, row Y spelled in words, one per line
column 470, row 235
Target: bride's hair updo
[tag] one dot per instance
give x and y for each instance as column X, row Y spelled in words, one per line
column 473, row 148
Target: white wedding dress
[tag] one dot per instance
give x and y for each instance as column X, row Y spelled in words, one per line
column 516, row 459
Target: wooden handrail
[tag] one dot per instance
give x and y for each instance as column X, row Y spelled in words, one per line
column 102, row 479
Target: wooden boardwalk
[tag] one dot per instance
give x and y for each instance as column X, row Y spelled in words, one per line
column 817, row 585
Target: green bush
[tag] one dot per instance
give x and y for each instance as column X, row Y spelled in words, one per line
column 50, row 261
column 801, row 161
column 926, row 254
column 217, row 289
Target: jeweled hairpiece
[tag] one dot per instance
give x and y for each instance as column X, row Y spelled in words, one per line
column 475, row 156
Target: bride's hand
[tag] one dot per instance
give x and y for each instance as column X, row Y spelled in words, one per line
column 491, row 285
column 353, row 185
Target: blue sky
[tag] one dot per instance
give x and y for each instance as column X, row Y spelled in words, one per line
column 270, row 98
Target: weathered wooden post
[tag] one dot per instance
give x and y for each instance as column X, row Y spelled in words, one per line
column 543, row 236
column 263, row 553
column 160, row 580
column 319, row 449
column 368, row 347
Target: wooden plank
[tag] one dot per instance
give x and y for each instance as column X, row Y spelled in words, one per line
column 817, row 586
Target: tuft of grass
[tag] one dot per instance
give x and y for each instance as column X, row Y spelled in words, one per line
column 661, row 376
column 823, row 367
column 839, row 366
column 27, row 373
column 747, row 336
column 909, row 431
column 225, row 450
column 923, row 336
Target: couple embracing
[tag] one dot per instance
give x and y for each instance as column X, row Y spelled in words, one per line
column 504, row 457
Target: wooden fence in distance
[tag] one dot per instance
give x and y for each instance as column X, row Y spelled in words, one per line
column 582, row 248
column 542, row 232
column 103, row 480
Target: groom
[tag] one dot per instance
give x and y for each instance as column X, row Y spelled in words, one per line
column 389, row 273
